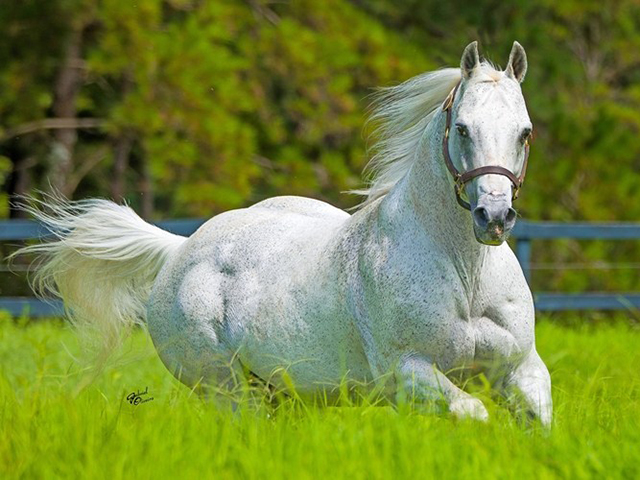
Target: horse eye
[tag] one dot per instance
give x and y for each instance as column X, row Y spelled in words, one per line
column 462, row 130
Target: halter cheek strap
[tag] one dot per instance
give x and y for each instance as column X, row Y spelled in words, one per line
column 461, row 179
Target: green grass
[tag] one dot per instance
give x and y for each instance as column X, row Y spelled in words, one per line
column 48, row 431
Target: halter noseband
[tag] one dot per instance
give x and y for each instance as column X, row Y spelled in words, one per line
column 461, row 179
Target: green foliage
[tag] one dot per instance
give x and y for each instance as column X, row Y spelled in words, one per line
column 49, row 430
column 230, row 102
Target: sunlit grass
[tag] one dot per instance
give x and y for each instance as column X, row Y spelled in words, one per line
column 49, row 429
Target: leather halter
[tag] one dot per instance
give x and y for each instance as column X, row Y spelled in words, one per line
column 461, row 179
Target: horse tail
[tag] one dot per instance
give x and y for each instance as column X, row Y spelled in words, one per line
column 102, row 263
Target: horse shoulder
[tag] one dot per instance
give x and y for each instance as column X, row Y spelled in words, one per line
column 405, row 299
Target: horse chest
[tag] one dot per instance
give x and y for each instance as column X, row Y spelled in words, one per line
column 492, row 328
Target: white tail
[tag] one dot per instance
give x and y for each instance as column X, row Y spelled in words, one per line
column 102, row 265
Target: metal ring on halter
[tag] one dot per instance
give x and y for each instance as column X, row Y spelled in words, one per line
column 461, row 179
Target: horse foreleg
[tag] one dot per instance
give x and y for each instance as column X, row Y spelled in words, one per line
column 420, row 381
column 528, row 389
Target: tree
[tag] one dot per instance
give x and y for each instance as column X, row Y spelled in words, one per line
column 189, row 108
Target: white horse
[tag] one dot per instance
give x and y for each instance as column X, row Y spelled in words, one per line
column 412, row 288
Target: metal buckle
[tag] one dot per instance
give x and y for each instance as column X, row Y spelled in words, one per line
column 459, row 185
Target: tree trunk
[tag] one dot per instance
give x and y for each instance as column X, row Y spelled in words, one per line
column 121, row 152
column 122, row 148
column 146, row 190
column 19, row 183
column 66, row 88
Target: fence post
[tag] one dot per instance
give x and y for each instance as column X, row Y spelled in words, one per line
column 523, row 252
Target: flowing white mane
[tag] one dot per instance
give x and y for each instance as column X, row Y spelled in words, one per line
column 401, row 115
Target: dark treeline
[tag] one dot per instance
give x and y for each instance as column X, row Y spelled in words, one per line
column 192, row 107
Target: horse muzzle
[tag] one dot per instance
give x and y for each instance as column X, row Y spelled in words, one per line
column 493, row 219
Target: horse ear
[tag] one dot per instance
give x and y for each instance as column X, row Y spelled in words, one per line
column 517, row 66
column 470, row 60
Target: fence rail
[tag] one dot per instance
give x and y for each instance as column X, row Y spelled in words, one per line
column 525, row 233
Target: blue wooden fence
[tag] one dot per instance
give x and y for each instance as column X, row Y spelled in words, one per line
column 524, row 232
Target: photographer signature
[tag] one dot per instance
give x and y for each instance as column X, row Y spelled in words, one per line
column 136, row 398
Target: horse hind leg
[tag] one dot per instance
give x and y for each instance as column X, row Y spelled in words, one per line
column 185, row 324
column 216, row 377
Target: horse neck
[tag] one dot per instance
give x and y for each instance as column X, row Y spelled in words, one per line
column 423, row 203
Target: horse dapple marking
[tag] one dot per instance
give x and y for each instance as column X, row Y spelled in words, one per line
column 411, row 288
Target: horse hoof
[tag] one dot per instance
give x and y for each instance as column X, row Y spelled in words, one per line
column 469, row 408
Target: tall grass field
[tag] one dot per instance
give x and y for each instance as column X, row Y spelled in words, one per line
column 55, row 425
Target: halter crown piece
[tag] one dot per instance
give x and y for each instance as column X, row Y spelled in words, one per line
column 461, row 179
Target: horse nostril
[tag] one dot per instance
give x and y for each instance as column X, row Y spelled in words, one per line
column 510, row 220
column 496, row 218
column 481, row 217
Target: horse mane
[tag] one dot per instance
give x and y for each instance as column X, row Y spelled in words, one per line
column 400, row 115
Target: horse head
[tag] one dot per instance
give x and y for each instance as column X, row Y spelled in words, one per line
column 486, row 143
